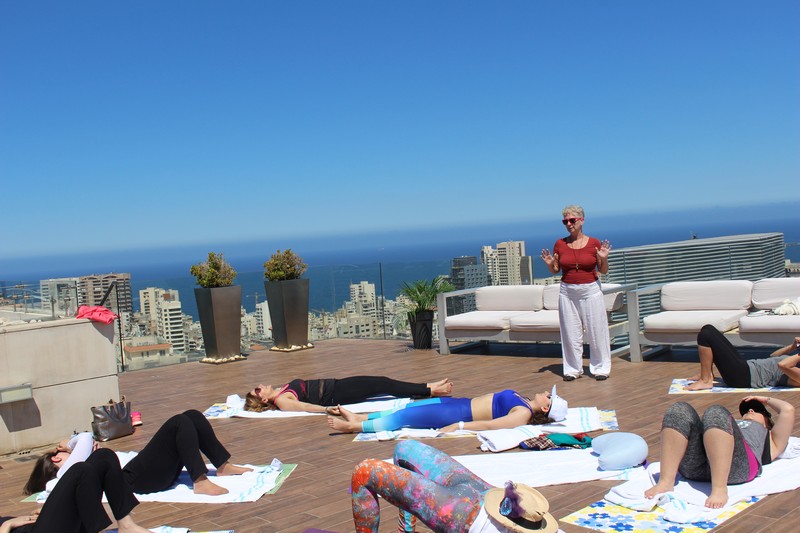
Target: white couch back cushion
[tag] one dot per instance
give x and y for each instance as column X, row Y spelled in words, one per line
column 702, row 295
column 771, row 292
column 509, row 298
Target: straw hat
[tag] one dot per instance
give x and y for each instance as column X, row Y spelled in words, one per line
column 531, row 509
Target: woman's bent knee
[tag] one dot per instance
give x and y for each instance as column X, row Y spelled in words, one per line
column 718, row 417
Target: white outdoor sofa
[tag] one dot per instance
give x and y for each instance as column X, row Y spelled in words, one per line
column 739, row 308
column 518, row 313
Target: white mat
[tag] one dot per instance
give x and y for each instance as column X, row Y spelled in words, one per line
column 230, row 409
column 579, row 420
column 542, row 468
column 687, row 502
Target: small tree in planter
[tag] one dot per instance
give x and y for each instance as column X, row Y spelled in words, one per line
column 421, row 295
column 287, row 298
column 219, row 305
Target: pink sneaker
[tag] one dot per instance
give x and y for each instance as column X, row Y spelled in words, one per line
column 136, row 418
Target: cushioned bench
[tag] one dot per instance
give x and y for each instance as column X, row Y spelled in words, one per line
column 515, row 313
column 739, row 308
column 761, row 325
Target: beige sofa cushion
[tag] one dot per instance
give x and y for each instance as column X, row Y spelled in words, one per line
column 498, row 320
column 613, row 301
column 771, row 292
column 697, row 295
column 770, row 324
column 509, row 298
column 545, row 320
column 682, row 321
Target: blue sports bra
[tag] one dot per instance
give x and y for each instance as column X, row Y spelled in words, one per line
column 504, row 401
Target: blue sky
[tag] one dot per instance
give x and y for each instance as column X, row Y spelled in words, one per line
column 152, row 124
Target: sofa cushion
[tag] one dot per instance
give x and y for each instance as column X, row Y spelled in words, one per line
column 682, row 321
column 770, row 324
column 545, row 320
column 509, row 298
column 613, row 301
column 771, row 292
column 701, row 295
column 498, row 320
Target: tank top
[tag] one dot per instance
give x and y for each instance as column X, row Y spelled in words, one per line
column 316, row 391
column 504, row 401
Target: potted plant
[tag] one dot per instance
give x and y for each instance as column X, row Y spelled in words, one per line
column 219, row 305
column 421, row 296
column 287, row 298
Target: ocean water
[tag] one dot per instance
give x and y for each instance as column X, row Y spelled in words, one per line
column 388, row 261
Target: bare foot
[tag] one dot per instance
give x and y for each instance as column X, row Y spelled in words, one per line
column 718, row 498
column 441, row 388
column 659, row 488
column 228, row 469
column 343, row 426
column 696, row 377
column 204, row 486
column 700, row 385
column 127, row 525
column 351, row 416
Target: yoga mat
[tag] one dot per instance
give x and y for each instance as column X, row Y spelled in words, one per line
column 678, row 386
column 605, row 516
column 223, row 410
column 585, row 422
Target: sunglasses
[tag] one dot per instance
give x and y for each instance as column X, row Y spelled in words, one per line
column 570, row 220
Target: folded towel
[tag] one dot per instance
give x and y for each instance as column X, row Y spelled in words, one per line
column 498, row 440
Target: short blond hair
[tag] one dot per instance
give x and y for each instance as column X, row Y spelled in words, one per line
column 572, row 210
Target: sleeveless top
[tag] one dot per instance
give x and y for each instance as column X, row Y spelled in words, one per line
column 504, row 401
column 756, row 437
column 316, row 391
column 767, row 373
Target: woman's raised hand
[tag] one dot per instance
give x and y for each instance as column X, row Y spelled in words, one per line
column 549, row 258
column 605, row 247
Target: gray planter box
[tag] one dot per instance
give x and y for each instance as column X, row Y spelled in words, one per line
column 220, row 311
column 288, row 310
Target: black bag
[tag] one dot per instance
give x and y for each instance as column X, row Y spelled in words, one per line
column 112, row 420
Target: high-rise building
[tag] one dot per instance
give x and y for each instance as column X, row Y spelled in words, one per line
column 162, row 307
column 505, row 263
column 91, row 290
column 263, row 320
column 466, row 273
column 59, row 295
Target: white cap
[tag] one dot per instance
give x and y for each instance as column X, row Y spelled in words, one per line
column 558, row 407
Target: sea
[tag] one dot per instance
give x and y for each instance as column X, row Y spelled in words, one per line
column 389, row 264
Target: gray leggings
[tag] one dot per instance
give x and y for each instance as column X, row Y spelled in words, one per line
column 684, row 419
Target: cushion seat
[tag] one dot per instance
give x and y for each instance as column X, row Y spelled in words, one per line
column 770, row 324
column 484, row 320
column 546, row 320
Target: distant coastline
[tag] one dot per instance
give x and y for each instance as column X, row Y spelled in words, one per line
column 332, row 270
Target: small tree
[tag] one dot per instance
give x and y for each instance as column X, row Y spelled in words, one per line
column 283, row 266
column 214, row 272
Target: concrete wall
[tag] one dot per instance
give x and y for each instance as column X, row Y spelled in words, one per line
column 71, row 366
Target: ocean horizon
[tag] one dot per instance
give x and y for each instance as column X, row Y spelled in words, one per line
column 332, row 271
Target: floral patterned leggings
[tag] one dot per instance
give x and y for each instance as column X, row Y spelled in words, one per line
column 423, row 482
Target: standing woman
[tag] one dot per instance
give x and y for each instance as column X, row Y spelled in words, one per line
column 580, row 303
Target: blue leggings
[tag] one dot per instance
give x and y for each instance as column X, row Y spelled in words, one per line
column 424, row 414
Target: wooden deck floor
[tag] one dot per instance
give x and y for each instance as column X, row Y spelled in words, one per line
column 316, row 494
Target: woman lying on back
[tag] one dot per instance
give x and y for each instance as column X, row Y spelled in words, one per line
column 500, row 410
column 322, row 395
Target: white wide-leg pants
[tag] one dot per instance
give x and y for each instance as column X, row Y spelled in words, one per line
column 581, row 307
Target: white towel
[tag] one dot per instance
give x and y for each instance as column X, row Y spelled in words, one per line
column 498, row 440
column 579, row 420
column 687, row 500
column 542, row 468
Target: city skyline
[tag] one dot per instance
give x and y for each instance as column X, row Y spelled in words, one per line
column 187, row 125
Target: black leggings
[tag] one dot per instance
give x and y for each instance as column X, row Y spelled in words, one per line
column 75, row 505
column 733, row 368
column 177, row 444
column 360, row 388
